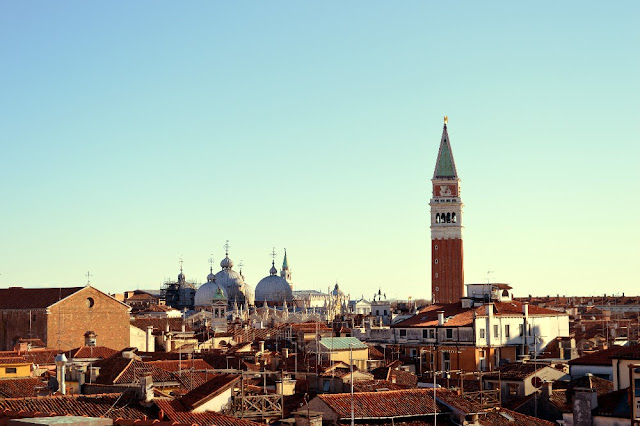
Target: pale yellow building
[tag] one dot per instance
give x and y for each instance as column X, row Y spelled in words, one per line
column 344, row 349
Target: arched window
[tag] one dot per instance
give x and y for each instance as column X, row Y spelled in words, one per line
column 453, row 217
column 437, row 217
column 448, row 217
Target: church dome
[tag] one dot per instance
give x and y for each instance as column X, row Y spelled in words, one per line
column 226, row 263
column 273, row 288
column 209, row 293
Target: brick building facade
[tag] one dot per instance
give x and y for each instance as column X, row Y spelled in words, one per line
column 61, row 316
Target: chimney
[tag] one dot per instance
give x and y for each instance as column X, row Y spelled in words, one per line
column 167, row 329
column 285, row 353
column 525, row 309
column 145, row 389
column 149, row 338
column 585, row 401
column 167, row 345
column 261, row 346
column 440, row 317
column 61, row 366
column 184, row 328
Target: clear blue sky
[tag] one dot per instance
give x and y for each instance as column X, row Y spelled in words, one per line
column 136, row 133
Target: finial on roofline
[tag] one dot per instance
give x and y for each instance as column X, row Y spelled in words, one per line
column 446, row 120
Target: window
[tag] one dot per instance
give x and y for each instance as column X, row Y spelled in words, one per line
column 446, row 361
column 385, row 312
column 90, row 302
column 482, row 333
column 449, row 333
column 403, row 333
column 377, row 312
column 496, row 329
column 435, row 247
column 432, row 333
column 513, row 389
column 435, row 261
column 10, row 370
column 425, row 334
column 507, row 332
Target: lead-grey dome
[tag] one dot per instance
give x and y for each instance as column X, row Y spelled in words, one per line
column 273, row 288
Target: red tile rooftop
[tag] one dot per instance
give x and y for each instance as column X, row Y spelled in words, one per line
column 396, row 403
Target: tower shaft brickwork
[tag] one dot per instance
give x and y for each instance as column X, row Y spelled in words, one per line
column 447, row 269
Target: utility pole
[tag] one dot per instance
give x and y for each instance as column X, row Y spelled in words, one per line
column 351, row 368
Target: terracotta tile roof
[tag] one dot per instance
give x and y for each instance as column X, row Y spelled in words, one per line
column 601, row 357
column 33, row 298
column 105, row 405
column 374, row 353
column 504, row 417
column 177, row 412
column 252, row 334
column 34, row 342
column 117, row 370
column 41, row 357
column 214, row 387
column 629, row 352
column 309, row 327
column 615, row 404
column 84, row 352
column 455, row 401
column 395, row 403
column 13, row 360
column 159, row 324
column 428, row 317
column 185, row 364
column 515, row 371
column 191, row 380
column 375, row 385
column 20, row 388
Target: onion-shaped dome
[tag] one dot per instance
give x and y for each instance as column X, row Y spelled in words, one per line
column 226, row 263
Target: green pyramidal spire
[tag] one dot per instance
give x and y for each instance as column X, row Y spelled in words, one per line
column 285, row 264
column 445, row 166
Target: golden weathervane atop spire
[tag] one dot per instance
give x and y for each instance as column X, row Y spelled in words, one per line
column 446, row 119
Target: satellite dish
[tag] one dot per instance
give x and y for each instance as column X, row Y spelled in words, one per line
column 53, row 384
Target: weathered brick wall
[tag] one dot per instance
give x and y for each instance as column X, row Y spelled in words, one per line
column 85, row 310
column 14, row 324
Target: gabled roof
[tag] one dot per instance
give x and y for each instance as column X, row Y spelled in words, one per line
column 185, row 364
column 454, row 313
column 515, row 371
column 160, row 324
column 89, row 352
column 457, row 316
column 33, row 298
column 445, row 165
column 175, row 411
column 114, row 405
column 20, row 388
column 396, row 403
column 214, row 387
column 117, row 370
column 601, row 357
column 341, row 343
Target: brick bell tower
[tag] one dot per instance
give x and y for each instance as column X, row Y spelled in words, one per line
column 447, row 271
